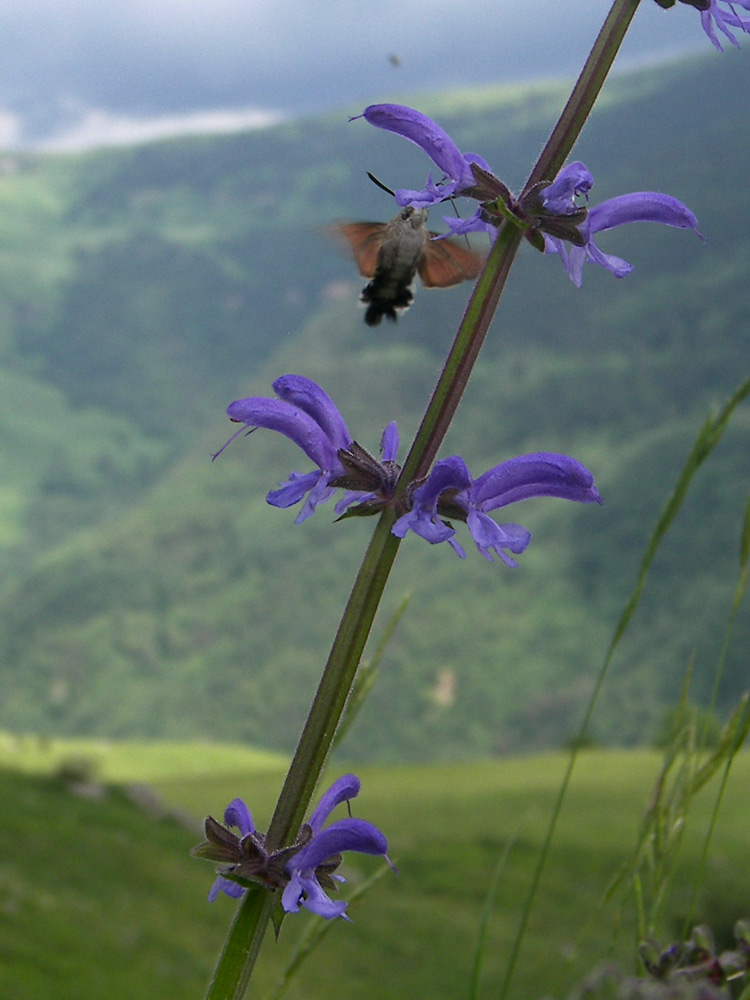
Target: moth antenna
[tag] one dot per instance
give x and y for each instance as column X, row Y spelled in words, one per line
column 452, row 200
column 381, row 185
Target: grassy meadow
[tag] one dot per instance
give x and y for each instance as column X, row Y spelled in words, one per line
column 99, row 898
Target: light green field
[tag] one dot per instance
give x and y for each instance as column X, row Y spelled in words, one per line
column 100, row 899
column 137, row 761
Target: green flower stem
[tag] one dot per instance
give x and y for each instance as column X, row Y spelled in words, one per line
column 335, row 684
column 242, row 946
column 248, row 928
column 463, row 354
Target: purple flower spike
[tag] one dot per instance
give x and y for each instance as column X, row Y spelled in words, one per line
column 442, row 150
column 450, row 492
column 306, row 869
column 304, row 888
column 722, row 15
column 640, row 206
column 306, row 415
column 315, row 862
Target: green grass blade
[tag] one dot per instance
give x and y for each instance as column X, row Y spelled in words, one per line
column 484, row 921
column 708, row 437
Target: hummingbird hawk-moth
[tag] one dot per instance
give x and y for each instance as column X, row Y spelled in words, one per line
column 391, row 253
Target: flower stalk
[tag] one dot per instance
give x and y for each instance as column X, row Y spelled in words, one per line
column 248, row 928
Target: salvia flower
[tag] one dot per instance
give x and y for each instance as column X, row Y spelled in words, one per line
column 450, row 493
column 308, row 416
column 640, row 206
column 442, row 150
column 549, row 214
column 303, row 871
column 721, row 14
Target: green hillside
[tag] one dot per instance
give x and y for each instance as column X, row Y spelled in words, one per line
column 99, row 897
column 151, row 593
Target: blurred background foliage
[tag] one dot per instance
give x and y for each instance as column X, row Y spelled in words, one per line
column 150, row 593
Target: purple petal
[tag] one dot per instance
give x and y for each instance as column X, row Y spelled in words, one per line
column 352, row 497
column 237, row 814
column 345, row 788
column 225, row 885
column 343, row 835
column 614, row 264
column 308, row 396
column 724, row 20
column 458, row 549
column 320, row 492
column 315, row 899
column 572, row 262
column 425, row 524
column 488, row 536
column 290, row 898
column 292, row 491
column 426, row 134
column 573, row 258
column 640, row 206
column 448, row 474
column 431, row 194
column 475, row 223
column 573, row 180
column 278, row 415
column 389, row 443
column 312, row 485
column 537, row 475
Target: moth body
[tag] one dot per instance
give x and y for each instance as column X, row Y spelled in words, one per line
column 401, row 253
column 390, row 254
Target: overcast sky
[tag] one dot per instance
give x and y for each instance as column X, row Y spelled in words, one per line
column 81, row 72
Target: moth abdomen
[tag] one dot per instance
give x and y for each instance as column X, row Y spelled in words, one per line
column 385, row 294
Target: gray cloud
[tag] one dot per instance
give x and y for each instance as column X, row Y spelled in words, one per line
column 145, row 60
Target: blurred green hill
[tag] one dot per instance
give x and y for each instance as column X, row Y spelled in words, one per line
column 149, row 592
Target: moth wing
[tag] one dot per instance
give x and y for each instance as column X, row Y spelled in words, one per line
column 363, row 240
column 447, row 262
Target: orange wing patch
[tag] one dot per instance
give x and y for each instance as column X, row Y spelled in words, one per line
column 447, row 263
column 363, row 240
